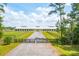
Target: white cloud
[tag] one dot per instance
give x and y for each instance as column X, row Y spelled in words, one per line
column 68, row 4
column 40, row 17
column 44, row 9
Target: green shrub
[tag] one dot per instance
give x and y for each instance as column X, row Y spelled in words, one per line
column 1, row 34
column 15, row 40
column 7, row 40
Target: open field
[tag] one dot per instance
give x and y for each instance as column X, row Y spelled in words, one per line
column 65, row 50
column 18, row 35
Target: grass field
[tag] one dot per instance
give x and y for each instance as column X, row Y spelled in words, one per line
column 51, row 35
column 4, row 49
column 19, row 35
column 64, row 50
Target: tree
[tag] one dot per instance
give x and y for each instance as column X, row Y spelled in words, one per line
column 59, row 9
column 75, row 20
column 1, row 17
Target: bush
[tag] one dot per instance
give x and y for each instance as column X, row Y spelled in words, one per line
column 1, row 34
column 15, row 40
column 62, row 41
column 7, row 40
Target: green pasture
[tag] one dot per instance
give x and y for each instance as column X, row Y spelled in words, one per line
column 17, row 34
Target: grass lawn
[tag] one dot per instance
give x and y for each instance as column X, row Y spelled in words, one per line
column 51, row 35
column 4, row 49
column 68, row 50
column 18, row 35
column 64, row 50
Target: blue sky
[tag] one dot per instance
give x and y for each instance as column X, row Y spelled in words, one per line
column 30, row 7
column 30, row 14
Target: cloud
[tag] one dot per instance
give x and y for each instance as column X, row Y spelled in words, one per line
column 40, row 17
column 68, row 4
column 44, row 10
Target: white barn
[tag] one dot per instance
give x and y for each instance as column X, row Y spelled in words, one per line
column 35, row 29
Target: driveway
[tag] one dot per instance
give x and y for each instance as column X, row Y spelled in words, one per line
column 33, row 49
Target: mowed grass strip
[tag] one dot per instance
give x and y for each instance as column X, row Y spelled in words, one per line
column 4, row 49
column 48, row 36
column 24, row 35
column 51, row 35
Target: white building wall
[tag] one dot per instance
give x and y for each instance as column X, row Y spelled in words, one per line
column 35, row 28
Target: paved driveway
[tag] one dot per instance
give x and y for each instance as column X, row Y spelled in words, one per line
column 33, row 49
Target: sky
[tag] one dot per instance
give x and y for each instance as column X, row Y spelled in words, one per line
column 30, row 14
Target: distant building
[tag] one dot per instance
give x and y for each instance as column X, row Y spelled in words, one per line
column 35, row 28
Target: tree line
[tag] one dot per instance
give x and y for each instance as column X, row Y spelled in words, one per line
column 67, row 27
